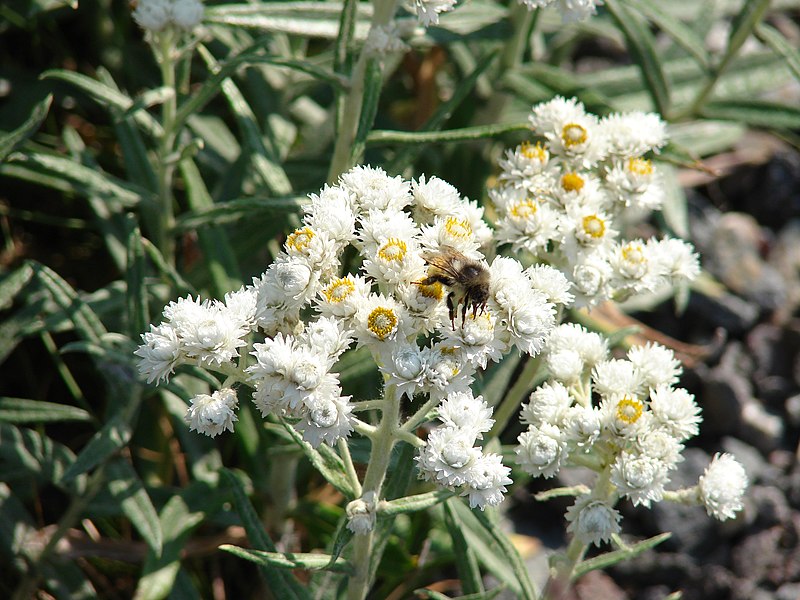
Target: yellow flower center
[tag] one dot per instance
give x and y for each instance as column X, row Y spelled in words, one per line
column 573, row 134
column 434, row 291
column 393, row 250
column 572, row 182
column 629, row 410
column 458, row 228
column 640, row 166
column 339, row 289
column 594, row 226
column 382, row 322
column 299, row 239
column 532, row 152
column 633, row 252
column 524, row 209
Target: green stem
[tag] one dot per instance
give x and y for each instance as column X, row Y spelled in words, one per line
column 353, row 102
column 382, row 444
column 510, row 404
column 164, row 46
column 344, row 452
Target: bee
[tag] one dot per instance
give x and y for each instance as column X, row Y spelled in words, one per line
column 467, row 279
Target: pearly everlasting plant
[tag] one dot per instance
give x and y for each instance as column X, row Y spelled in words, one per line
column 412, row 274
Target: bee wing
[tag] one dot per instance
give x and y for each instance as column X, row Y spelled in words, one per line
column 445, row 263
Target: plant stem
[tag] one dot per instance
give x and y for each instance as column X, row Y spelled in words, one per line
column 344, row 452
column 351, row 108
column 382, row 444
column 164, row 46
column 508, row 406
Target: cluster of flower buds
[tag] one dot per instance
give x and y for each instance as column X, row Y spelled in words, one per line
column 157, row 15
column 566, row 199
column 623, row 418
column 571, row 10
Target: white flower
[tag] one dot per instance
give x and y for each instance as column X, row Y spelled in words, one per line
column 377, row 226
column 242, row 305
column 523, row 164
column 160, row 353
column 582, row 426
column 635, row 184
column 379, row 318
column 288, row 283
column 661, row 445
column 547, row 404
column 552, row 282
column 406, row 368
column 542, row 450
column 447, row 456
column 529, row 225
column 463, row 411
column 332, row 211
column 639, row 477
column 624, row 416
column 211, row 335
column 274, row 357
column 656, row 364
column 342, row 296
column 428, row 10
column 577, row 10
column 433, row 198
column 211, row 415
column 571, row 132
column 478, row 339
column 634, row 270
column 152, row 15
column 590, row 346
column 676, row 411
column 722, row 486
column 632, row 134
column 318, row 250
column 446, row 373
column 326, row 419
column 616, row 377
column 394, row 261
column 454, row 232
column 592, row 521
column 361, row 514
column 591, row 276
column 326, row 335
column 187, row 14
column 372, row 188
column 675, row 259
column 486, row 481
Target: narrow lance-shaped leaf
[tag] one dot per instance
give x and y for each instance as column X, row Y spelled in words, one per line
column 466, row 563
column 136, row 291
column 373, row 82
column 9, row 141
column 383, row 137
column 289, row 560
column 642, row 48
column 772, row 38
column 127, row 489
column 758, row 113
column 612, row 558
column 23, row 410
column 282, row 583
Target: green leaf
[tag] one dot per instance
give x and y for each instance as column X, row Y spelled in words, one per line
column 24, row 453
column 9, row 141
column 683, row 35
column 113, row 436
column 759, row 113
column 373, row 83
column 12, row 283
column 384, row 137
column 744, row 23
column 617, row 556
column 297, row 560
column 127, row 489
column 416, row 503
column 231, row 211
column 68, row 175
column 265, row 162
column 494, row 550
column 106, row 96
column 641, row 45
column 340, row 540
column 282, row 583
column 136, row 290
column 326, row 461
column 772, row 38
column 22, row 410
column 466, row 564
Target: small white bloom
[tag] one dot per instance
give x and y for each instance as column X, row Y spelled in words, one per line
column 152, row 15
column 582, row 426
column 624, row 416
column 242, row 305
column 160, row 353
column 676, row 411
column 393, row 261
column 333, row 212
column 187, row 14
column 542, row 450
column 591, row 275
column 529, row 225
column 547, row 404
column 377, row 226
column 523, row 164
column 211, row 415
column 590, row 346
column 566, row 366
column 361, row 514
column 343, row 296
column 486, row 481
column 661, row 445
column 406, row 368
column 722, row 486
column 318, row 250
column 454, row 232
column 675, row 259
column 372, row 188
column 379, row 318
column 571, row 132
column 592, row 521
column 326, row 419
column 288, row 283
column 447, row 372
column 478, row 339
column 383, row 40
column 552, row 282
column 639, row 477
column 447, row 456
column 328, row 336
column 433, row 198
column 656, row 364
column 634, row 270
column 577, row 10
column 463, row 411
column 632, row 134
column 616, row 377
column 213, row 335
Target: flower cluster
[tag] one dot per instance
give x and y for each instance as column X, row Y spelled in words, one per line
column 157, row 15
column 421, row 296
column 566, row 199
column 625, row 419
column 451, row 458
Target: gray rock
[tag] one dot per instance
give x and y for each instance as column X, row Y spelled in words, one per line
column 759, row 427
column 770, row 505
column 788, row 591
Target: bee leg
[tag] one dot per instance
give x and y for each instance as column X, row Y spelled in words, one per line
column 452, row 310
column 464, row 310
